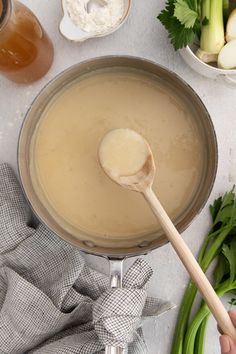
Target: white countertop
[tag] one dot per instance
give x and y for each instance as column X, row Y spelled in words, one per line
column 142, row 35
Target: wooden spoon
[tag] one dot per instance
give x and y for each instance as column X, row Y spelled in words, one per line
column 116, row 143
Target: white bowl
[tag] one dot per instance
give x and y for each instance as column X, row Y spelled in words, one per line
column 74, row 33
column 207, row 70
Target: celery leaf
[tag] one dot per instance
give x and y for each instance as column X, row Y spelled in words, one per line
column 185, row 14
column 215, row 208
column 205, row 21
column 221, row 270
column 229, row 251
column 179, row 35
column 232, row 302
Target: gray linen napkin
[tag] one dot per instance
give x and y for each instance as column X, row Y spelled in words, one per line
column 51, row 302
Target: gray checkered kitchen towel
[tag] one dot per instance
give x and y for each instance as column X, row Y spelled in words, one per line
column 51, row 302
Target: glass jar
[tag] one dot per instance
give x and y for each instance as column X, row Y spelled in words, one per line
column 26, row 51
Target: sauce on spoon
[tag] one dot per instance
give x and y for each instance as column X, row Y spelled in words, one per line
column 123, row 152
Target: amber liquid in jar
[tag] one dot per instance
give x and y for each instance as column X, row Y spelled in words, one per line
column 26, row 51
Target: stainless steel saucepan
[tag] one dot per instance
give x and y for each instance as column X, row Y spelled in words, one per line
column 116, row 254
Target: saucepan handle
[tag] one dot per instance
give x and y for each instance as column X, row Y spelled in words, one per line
column 116, row 275
column 114, row 350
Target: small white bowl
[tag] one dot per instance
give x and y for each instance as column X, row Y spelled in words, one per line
column 74, row 33
column 207, row 70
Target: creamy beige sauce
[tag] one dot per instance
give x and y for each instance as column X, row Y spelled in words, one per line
column 64, row 159
column 123, row 152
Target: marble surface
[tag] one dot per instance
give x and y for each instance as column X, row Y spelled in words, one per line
column 142, row 35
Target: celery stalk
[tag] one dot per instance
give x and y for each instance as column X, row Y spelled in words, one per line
column 223, row 212
column 183, row 318
column 212, row 33
column 200, row 317
column 190, row 337
column 200, row 338
column 206, row 256
column 225, row 5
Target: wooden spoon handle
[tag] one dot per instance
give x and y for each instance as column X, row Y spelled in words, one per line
column 192, row 266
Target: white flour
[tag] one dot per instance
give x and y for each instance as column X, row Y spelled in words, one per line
column 100, row 16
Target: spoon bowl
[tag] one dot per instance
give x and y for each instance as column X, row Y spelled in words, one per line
column 143, row 172
column 142, row 179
